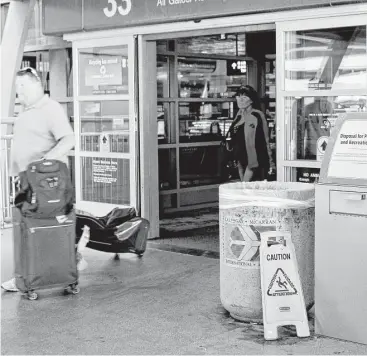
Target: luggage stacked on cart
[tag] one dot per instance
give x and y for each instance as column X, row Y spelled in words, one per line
column 120, row 231
column 44, row 230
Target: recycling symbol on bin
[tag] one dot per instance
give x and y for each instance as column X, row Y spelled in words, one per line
column 245, row 243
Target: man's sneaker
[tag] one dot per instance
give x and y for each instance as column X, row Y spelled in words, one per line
column 10, row 286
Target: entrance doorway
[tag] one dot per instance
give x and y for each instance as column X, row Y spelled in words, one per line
column 197, row 78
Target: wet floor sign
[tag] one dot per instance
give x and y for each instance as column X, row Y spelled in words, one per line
column 282, row 296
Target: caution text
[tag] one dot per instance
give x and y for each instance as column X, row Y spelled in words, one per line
column 278, row 256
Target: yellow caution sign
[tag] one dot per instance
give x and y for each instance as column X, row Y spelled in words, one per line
column 282, row 296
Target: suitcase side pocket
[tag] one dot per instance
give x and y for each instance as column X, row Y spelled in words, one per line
column 20, row 255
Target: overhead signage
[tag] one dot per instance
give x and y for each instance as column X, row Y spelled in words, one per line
column 194, row 65
column 79, row 15
column 235, row 67
column 349, row 156
column 316, row 85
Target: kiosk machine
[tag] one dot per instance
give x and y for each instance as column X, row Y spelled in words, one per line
column 341, row 233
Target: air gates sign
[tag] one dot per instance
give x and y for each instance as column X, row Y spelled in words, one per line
column 83, row 15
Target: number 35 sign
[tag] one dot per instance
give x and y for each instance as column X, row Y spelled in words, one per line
column 123, row 7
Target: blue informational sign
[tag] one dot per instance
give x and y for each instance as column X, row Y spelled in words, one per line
column 76, row 15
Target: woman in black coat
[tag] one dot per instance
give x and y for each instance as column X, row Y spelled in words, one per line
column 249, row 137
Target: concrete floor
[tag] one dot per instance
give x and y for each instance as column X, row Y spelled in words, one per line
column 164, row 303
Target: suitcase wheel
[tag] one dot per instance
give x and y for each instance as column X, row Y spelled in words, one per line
column 75, row 290
column 72, row 289
column 32, row 295
column 140, row 253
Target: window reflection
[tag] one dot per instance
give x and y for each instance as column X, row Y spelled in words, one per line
column 326, row 59
column 226, row 44
column 162, row 77
column 104, row 126
column 312, row 120
column 204, row 121
column 167, row 172
column 207, row 78
column 165, row 125
column 199, row 166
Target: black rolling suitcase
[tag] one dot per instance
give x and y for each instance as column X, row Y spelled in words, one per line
column 44, row 230
column 120, row 231
column 44, row 251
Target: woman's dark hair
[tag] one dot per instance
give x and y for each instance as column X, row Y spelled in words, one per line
column 250, row 92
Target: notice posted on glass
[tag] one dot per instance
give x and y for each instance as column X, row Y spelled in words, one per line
column 349, row 157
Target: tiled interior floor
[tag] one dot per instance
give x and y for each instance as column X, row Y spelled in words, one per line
column 193, row 230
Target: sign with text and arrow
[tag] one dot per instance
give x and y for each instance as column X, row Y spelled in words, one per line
column 349, row 156
column 104, row 143
column 321, row 147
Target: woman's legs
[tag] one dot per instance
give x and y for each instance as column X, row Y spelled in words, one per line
column 259, row 174
column 245, row 173
column 249, row 173
column 241, row 170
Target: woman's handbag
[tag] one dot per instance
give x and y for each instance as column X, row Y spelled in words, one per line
column 228, row 165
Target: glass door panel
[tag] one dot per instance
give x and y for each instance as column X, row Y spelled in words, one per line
column 204, row 121
column 312, row 119
column 199, row 165
column 210, row 78
column 105, row 180
column 104, row 126
column 106, row 149
column 323, row 74
column 326, row 59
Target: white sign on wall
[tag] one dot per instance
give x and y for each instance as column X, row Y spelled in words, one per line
column 349, row 157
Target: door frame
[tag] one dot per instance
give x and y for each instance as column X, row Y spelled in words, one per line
column 97, row 208
column 148, row 33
